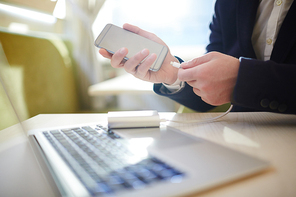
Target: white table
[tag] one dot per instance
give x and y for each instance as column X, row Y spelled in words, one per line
column 267, row 136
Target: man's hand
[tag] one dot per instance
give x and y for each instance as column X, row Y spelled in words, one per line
column 212, row 76
column 166, row 74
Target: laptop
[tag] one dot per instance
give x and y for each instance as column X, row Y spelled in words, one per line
column 92, row 160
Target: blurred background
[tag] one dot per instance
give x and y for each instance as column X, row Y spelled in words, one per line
column 55, row 67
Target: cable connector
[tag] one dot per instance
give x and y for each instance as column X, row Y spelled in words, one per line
column 176, row 64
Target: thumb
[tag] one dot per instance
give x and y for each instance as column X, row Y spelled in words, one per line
column 137, row 30
column 131, row 28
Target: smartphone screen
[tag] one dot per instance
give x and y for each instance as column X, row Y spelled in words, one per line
column 113, row 38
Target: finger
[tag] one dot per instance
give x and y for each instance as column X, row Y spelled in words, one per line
column 105, row 53
column 191, row 83
column 196, row 88
column 189, row 74
column 197, row 91
column 118, row 57
column 133, row 62
column 138, row 31
column 143, row 69
column 198, row 61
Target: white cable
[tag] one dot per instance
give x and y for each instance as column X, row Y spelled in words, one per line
column 175, row 64
column 178, row 65
column 200, row 121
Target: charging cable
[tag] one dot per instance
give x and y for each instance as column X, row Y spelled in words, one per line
column 178, row 65
column 199, row 121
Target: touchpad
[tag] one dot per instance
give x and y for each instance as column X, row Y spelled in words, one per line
column 163, row 138
column 170, row 138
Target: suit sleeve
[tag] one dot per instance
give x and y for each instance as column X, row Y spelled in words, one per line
column 266, row 86
column 185, row 96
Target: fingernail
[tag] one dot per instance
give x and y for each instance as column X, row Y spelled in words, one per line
column 123, row 51
column 145, row 52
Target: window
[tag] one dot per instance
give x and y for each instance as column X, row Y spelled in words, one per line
column 182, row 24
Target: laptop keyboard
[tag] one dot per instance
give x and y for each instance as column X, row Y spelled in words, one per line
column 104, row 163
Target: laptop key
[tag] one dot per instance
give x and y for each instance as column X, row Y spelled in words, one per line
column 101, row 159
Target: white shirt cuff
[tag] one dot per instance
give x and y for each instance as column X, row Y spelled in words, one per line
column 175, row 87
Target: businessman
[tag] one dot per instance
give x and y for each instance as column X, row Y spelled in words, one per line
column 250, row 60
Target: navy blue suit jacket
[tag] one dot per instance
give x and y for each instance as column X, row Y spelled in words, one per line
column 261, row 85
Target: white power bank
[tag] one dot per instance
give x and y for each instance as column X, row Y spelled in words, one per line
column 133, row 119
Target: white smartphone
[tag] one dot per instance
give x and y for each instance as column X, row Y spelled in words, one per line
column 113, row 38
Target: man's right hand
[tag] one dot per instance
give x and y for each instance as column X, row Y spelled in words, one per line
column 166, row 74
